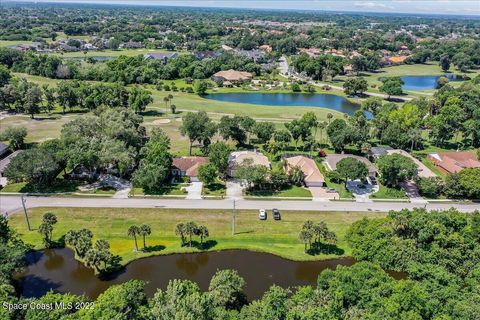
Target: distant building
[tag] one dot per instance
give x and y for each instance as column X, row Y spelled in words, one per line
column 376, row 152
column 254, row 157
column 162, row 56
column 226, row 48
column 207, row 55
column 396, row 60
column 232, row 76
column 311, row 52
column 450, row 162
column 5, row 162
column 131, row 45
column 3, row 149
column 255, row 55
column 266, row 48
column 332, row 159
column 313, row 176
column 187, row 167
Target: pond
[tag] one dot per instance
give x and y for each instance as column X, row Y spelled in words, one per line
column 416, row 83
column 329, row 101
column 57, row 269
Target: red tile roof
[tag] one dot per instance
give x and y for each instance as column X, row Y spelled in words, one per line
column 455, row 161
column 189, row 165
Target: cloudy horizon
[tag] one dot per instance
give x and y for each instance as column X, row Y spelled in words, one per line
column 452, row 7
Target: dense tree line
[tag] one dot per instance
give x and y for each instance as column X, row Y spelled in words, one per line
column 126, row 69
column 22, row 96
column 438, row 250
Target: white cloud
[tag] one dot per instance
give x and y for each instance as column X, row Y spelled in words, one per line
column 371, row 5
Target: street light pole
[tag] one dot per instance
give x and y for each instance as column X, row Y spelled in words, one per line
column 233, row 219
column 25, row 212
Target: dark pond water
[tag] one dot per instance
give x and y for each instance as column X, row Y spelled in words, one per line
column 425, row 82
column 57, row 269
column 329, row 101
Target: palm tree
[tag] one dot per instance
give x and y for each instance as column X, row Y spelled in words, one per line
column 166, row 100
column 145, row 230
column 320, row 230
column 102, row 245
column 191, row 229
column 133, row 231
column 321, row 125
column 93, row 258
column 329, row 117
column 72, row 239
column 305, row 237
column 180, row 231
column 202, row 232
column 45, row 229
column 309, row 227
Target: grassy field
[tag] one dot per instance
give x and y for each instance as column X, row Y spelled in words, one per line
column 385, row 192
column 277, row 237
column 292, row 191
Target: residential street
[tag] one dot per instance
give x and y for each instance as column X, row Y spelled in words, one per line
column 12, row 204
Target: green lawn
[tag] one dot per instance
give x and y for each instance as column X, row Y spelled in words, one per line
column 340, row 187
column 170, row 190
column 59, row 185
column 292, row 191
column 216, row 189
column 389, row 193
column 277, row 237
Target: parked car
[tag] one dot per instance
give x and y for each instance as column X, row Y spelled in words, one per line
column 276, row 214
column 262, row 215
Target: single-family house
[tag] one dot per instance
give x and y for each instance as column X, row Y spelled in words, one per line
column 450, row 162
column 131, row 45
column 239, row 157
column 187, row 167
column 232, row 76
column 313, row 176
column 5, row 162
column 3, row 149
column 396, row 59
column 332, row 159
column 201, row 55
column 376, row 152
column 266, row 48
column 255, row 54
column 162, row 56
column 226, row 48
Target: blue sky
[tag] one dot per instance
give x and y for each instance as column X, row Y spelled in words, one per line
column 469, row 7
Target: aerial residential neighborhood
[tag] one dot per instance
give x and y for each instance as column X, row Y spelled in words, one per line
column 239, row 160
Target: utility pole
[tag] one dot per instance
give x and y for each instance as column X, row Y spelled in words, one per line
column 25, row 212
column 233, row 218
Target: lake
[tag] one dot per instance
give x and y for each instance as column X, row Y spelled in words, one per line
column 416, row 83
column 57, row 269
column 329, row 101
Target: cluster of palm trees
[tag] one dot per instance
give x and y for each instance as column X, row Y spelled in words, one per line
column 190, row 229
column 144, row 230
column 46, row 228
column 314, row 234
column 168, row 101
column 94, row 256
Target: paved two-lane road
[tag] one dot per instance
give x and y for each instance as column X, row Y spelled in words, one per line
column 12, row 204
